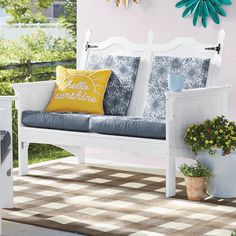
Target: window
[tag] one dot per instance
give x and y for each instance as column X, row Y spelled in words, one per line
column 58, row 9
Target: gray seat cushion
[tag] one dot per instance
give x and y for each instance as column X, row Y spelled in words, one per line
column 128, row 126
column 5, row 142
column 56, row 120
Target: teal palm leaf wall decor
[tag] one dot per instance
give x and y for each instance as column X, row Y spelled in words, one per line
column 204, row 9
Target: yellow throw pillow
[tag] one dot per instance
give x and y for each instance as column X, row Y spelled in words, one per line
column 79, row 91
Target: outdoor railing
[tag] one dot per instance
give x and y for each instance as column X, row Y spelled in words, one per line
column 12, row 31
column 39, row 64
column 34, row 65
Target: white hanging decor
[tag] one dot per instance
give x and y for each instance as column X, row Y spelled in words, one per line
column 126, row 2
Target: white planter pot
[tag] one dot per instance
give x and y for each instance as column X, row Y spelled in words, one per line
column 223, row 182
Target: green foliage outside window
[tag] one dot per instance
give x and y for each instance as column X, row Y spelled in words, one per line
column 21, row 10
column 25, row 50
column 70, row 18
column 37, row 47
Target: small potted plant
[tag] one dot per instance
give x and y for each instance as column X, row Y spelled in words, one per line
column 195, row 178
column 214, row 143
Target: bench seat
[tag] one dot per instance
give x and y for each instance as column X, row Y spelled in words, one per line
column 128, row 126
column 5, row 142
column 57, row 120
column 112, row 125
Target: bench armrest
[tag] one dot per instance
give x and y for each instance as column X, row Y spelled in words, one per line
column 6, row 113
column 189, row 107
column 33, row 95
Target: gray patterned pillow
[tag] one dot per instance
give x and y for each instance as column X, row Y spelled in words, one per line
column 121, row 83
column 194, row 70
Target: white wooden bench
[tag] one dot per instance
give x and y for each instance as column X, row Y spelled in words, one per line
column 183, row 108
column 6, row 168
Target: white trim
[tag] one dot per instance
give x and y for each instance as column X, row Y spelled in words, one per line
column 6, row 189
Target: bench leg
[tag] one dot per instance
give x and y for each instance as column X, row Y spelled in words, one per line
column 7, row 178
column 23, row 158
column 80, row 154
column 0, row 221
column 170, row 176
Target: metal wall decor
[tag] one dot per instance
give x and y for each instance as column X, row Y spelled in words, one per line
column 126, row 2
column 203, row 9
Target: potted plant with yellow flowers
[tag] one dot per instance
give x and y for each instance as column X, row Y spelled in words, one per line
column 214, row 143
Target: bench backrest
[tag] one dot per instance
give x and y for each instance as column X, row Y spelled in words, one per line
column 179, row 47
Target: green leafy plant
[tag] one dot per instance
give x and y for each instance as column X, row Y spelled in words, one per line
column 212, row 135
column 32, row 48
column 37, row 47
column 195, row 170
column 21, row 10
column 70, row 18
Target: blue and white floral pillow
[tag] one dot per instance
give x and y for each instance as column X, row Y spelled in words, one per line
column 121, row 84
column 194, row 70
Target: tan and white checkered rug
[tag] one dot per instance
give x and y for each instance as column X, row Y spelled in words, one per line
column 95, row 201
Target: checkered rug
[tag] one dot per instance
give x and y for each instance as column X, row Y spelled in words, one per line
column 96, row 201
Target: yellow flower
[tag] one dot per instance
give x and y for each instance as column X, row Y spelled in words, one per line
column 232, row 133
column 221, row 131
column 206, row 142
column 195, row 139
column 216, row 132
column 211, row 142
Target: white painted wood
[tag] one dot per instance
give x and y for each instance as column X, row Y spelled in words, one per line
column 23, row 157
column 81, row 155
column 190, row 107
column 6, row 176
column 183, row 108
column 179, row 47
column 170, row 175
column 69, row 138
column 0, row 221
column 82, row 63
column 120, row 46
column 79, row 152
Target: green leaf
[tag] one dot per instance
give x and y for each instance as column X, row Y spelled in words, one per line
column 195, row 6
column 180, row 4
column 221, row 11
column 200, row 9
column 204, row 22
column 195, row 17
column 226, row 2
column 205, row 9
column 215, row 3
column 214, row 17
column 210, row 6
column 190, row 3
column 187, row 11
column 21, row 10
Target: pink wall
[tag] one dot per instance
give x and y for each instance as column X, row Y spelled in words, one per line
column 105, row 20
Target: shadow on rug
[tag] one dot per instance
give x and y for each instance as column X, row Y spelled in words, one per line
column 96, row 201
